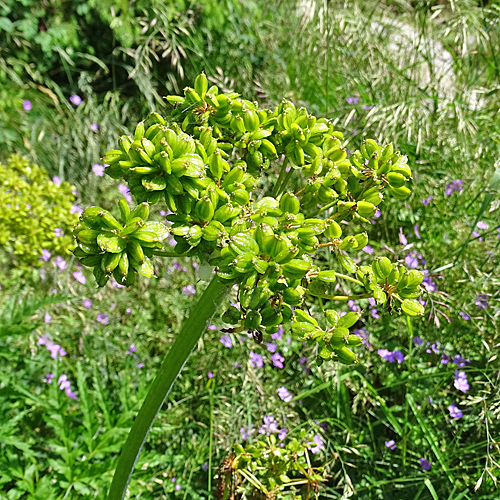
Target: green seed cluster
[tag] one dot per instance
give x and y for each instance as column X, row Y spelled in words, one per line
column 206, row 164
column 118, row 249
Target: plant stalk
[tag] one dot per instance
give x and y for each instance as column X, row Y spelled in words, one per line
column 172, row 365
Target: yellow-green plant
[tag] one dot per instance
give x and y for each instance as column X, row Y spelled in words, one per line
column 284, row 249
column 35, row 213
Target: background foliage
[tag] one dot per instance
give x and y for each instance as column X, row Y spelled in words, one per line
column 422, row 74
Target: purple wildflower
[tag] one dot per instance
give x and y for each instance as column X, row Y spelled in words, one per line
column 415, row 230
column 282, row 434
column 125, row 191
column 390, row 444
column 445, row 359
column 140, row 365
column 27, row 105
column 256, row 360
column 429, row 285
column 48, row 378
column 269, row 427
column 278, row 334
column 318, row 443
column 177, row 487
column 103, row 318
column 481, row 301
column 210, row 374
column 277, row 360
column 427, row 200
column 76, row 99
column 226, row 341
column 363, row 334
column 131, row 349
column 352, row 100
column 87, row 303
column 98, row 170
column 426, row 465
column 465, row 316
column 46, row 255
column 212, row 327
column 367, row 108
column 453, row 186
column 94, row 127
column 48, row 318
column 284, row 394
column 76, row 209
column 411, row 259
column 271, row 347
column 368, row 249
column 78, row 275
column 417, row 341
column 60, row 263
column 461, row 383
column 402, row 237
column 455, row 411
column 245, row 432
column 204, row 466
column 377, row 214
column 482, row 225
column 352, row 305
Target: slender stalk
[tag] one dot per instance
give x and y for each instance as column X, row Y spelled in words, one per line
column 340, row 297
column 161, row 253
column 172, row 365
column 349, row 278
column 283, row 172
column 285, row 181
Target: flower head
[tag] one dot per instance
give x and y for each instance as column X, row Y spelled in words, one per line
column 277, row 360
column 318, row 443
column 256, row 360
column 98, row 170
column 94, row 127
column 189, row 290
column 455, row 411
column 46, row 255
column 87, row 303
column 461, row 383
column 27, row 105
column 103, row 318
column 426, row 465
column 390, row 444
column 125, row 191
column 226, row 341
column 76, row 99
column 60, row 263
column 78, row 275
column 284, row 394
column 352, row 100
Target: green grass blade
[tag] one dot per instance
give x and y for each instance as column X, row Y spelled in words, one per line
column 431, row 439
column 431, row 489
column 172, row 365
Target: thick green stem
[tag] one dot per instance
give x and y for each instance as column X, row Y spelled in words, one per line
column 172, row 365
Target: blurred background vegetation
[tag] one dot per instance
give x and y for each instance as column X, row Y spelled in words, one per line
column 422, row 74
